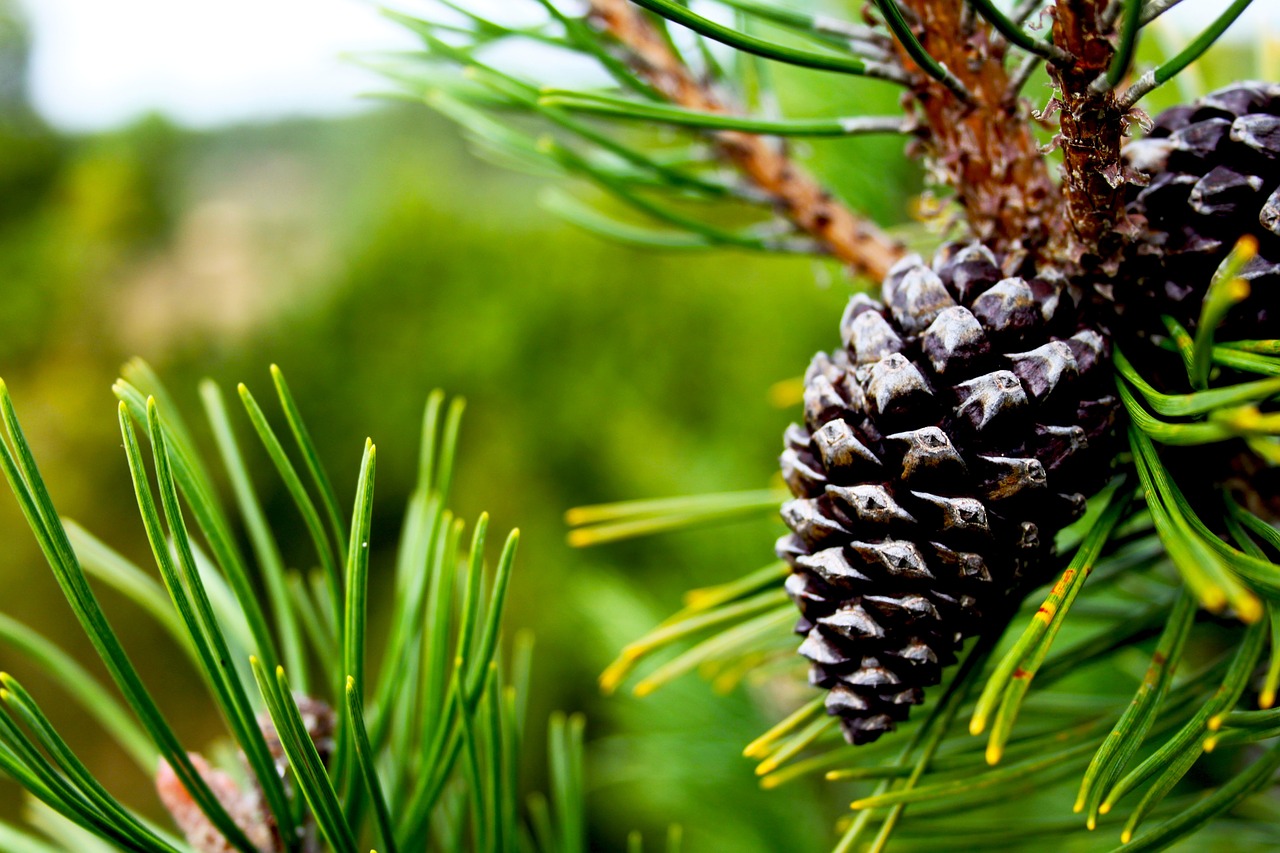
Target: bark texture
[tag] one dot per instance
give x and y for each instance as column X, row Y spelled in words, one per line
column 986, row 150
column 1092, row 125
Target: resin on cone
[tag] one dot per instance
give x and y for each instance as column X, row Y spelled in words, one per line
column 961, row 426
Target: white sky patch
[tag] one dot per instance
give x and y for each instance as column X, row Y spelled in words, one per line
column 99, row 63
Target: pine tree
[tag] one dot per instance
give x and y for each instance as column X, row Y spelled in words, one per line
column 1058, row 357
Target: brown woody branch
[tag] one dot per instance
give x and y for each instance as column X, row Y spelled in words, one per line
column 984, row 146
column 1092, row 125
column 810, row 207
column 984, row 149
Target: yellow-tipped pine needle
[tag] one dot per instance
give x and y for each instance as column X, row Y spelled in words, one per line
column 601, row 523
column 759, row 747
column 1261, row 347
column 1247, row 420
column 1237, row 520
column 726, row 645
column 787, row 392
column 1267, row 449
column 730, row 676
column 707, row 597
column 1200, row 566
column 820, row 763
column 1247, row 606
column 1213, row 598
column 691, row 504
column 671, row 631
column 616, row 672
column 1025, row 770
column 1003, row 692
column 1116, row 751
column 795, row 744
column 644, row 688
column 1226, row 289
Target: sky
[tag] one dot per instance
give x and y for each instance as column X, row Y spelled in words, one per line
column 100, row 63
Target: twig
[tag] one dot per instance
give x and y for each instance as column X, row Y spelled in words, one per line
column 1091, row 127
column 1024, row 10
column 1022, row 75
column 1155, row 9
column 898, row 24
column 1013, row 33
column 985, row 149
column 849, row 237
column 1125, row 49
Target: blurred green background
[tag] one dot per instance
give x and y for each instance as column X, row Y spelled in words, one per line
column 374, row 259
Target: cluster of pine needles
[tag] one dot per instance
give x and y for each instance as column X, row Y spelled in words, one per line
column 426, row 748
column 1185, row 615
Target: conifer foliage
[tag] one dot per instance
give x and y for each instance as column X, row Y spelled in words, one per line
column 324, row 752
column 1095, row 340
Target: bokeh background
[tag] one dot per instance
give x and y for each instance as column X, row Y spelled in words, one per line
column 364, row 250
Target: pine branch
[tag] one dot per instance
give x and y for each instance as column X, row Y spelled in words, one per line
column 848, row 236
column 983, row 142
column 984, row 148
column 1092, row 125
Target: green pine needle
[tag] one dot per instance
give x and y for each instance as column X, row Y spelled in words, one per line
column 385, row 778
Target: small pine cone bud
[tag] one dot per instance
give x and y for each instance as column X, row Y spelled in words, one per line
column 961, row 426
column 244, row 807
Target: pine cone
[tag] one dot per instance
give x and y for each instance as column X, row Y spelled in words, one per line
column 960, row 428
column 1210, row 173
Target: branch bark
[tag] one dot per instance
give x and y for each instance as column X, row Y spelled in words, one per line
column 810, row 207
column 985, row 150
column 1092, row 125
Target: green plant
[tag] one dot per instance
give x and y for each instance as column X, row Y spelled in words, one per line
column 333, row 744
column 1165, row 647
